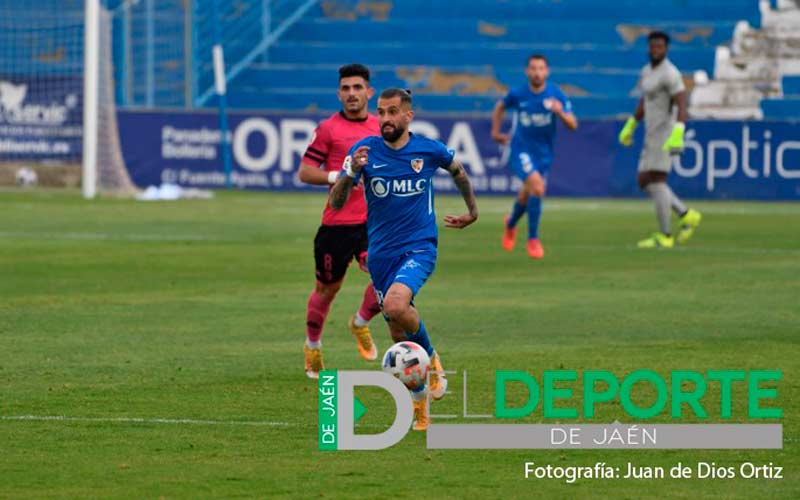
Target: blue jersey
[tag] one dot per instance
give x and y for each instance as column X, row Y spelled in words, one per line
column 534, row 129
column 399, row 191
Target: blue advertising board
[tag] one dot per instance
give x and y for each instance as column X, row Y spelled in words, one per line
column 41, row 118
column 723, row 160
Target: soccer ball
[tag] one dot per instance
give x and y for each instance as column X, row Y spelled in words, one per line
column 409, row 362
column 26, row 176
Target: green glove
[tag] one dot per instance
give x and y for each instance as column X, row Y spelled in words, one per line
column 626, row 134
column 674, row 144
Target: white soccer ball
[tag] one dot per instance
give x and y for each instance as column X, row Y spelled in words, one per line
column 26, row 176
column 409, row 362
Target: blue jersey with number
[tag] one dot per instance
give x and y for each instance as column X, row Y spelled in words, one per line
column 399, row 191
column 534, row 125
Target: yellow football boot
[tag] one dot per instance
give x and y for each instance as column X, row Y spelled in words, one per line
column 314, row 363
column 420, row 415
column 437, row 381
column 657, row 240
column 689, row 222
column 366, row 347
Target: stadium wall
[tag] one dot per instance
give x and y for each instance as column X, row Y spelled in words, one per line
column 723, row 160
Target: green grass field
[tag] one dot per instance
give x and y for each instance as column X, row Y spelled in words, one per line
column 165, row 341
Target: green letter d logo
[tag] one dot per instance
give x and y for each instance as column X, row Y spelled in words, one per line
column 337, row 412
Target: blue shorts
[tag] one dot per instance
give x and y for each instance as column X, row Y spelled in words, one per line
column 411, row 269
column 522, row 164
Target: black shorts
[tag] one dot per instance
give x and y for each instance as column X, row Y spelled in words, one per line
column 335, row 247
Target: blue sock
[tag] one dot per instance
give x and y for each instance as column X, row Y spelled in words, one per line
column 421, row 338
column 516, row 213
column 534, row 213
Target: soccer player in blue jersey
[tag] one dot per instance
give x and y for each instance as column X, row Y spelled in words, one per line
column 397, row 169
column 535, row 106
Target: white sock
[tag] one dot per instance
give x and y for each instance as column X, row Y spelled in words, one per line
column 359, row 321
column 314, row 345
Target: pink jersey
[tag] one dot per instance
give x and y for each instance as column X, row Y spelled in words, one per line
column 331, row 141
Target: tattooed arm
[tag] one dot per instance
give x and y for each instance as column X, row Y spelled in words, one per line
column 465, row 188
column 343, row 186
column 340, row 192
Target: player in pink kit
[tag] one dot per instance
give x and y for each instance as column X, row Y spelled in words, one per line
column 342, row 237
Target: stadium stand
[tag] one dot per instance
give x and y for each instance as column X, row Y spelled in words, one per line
column 752, row 76
column 456, row 56
column 460, row 57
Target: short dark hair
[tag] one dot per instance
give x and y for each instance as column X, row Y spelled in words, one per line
column 658, row 35
column 538, row 57
column 403, row 94
column 354, row 69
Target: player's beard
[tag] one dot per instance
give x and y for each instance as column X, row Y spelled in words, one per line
column 354, row 106
column 393, row 134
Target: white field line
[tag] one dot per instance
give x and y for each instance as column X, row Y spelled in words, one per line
column 138, row 420
column 94, row 236
column 167, row 421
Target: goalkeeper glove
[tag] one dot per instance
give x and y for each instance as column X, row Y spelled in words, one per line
column 626, row 134
column 674, row 144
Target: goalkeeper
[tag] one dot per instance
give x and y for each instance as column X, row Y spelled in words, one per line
column 662, row 91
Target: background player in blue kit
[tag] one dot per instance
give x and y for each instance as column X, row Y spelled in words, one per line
column 531, row 140
column 397, row 169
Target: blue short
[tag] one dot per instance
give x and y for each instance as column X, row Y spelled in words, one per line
column 522, row 164
column 411, row 269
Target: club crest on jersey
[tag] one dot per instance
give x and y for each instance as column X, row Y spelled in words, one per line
column 416, row 164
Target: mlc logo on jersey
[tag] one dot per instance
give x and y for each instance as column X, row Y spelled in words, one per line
column 399, row 187
column 379, row 188
column 339, row 410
